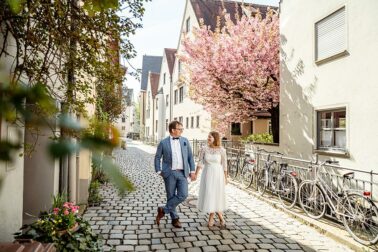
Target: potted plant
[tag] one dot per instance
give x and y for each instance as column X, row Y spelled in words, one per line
column 63, row 227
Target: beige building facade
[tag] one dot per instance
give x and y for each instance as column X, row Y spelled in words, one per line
column 33, row 178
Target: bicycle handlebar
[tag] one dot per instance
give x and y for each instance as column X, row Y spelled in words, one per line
column 270, row 152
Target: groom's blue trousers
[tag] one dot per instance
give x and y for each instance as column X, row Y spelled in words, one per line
column 176, row 186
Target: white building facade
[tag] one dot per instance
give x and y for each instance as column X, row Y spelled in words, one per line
column 329, row 103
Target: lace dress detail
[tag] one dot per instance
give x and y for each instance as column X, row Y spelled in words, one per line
column 212, row 197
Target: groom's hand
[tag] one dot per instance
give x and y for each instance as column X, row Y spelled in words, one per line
column 193, row 176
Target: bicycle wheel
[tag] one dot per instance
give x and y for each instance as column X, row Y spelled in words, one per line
column 287, row 191
column 262, row 178
column 311, row 199
column 360, row 219
column 233, row 169
column 246, row 175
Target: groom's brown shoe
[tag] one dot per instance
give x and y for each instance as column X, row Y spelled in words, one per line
column 176, row 223
column 160, row 214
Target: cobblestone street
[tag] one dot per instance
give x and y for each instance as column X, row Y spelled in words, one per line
column 127, row 223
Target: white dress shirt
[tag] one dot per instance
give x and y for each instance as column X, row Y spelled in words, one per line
column 177, row 162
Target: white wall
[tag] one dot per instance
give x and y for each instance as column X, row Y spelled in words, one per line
column 11, row 174
column 348, row 81
column 11, row 188
column 41, row 176
column 149, row 111
column 188, row 108
column 166, row 91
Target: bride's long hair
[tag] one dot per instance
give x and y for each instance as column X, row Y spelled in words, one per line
column 217, row 141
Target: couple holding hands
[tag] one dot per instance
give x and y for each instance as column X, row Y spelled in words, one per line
column 175, row 163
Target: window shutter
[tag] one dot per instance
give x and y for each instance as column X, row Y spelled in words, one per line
column 331, row 37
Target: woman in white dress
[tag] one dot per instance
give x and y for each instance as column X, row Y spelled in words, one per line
column 212, row 197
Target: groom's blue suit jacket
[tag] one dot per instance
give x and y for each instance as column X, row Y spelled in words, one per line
column 164, row 151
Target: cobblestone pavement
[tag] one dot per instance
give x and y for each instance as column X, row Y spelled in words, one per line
column 127, row 223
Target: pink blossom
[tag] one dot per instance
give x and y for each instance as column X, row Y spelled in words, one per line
column 56, row 210
column 66, row 212
column 234, row 71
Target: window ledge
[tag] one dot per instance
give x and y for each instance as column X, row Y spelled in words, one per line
column 333, row 57
column 334, row 153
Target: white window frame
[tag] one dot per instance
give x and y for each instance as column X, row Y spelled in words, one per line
column 316, row 130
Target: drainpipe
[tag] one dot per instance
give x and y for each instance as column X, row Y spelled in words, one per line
column 170, row 99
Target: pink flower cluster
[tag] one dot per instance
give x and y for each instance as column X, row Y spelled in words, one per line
column 68, row 207
column 233, row 71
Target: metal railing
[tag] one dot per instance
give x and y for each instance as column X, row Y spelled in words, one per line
column 332, row 174
column 236, row 150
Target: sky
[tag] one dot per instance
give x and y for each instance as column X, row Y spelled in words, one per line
column 161, row 29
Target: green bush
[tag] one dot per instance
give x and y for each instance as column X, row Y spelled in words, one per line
column 259, row 138
column 123, row 144
column 94, row 194
column 98, row 174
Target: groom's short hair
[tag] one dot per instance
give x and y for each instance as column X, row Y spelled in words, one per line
column 173, row 125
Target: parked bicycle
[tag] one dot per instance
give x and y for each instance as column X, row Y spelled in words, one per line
column 354, row 208
column 281, row 182
column 248, row 172
column 233, row 160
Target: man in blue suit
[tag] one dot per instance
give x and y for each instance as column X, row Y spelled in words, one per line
column 177, row 165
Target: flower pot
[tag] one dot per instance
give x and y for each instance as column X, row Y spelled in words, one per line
column 73, row 229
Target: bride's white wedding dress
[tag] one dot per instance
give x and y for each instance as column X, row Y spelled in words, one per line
column 212, row 197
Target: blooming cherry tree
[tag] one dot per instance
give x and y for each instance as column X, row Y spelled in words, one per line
column 234, row 71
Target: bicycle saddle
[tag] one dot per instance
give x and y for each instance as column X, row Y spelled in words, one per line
column 349, row 175
column 284, row 165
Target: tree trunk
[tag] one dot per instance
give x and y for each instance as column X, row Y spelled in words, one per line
column 275, row 117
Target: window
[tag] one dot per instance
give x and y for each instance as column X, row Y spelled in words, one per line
column 270, row 127
column 156, row 125
column 331, row 35
column 187, row 122
column 164, row 78
column 331, row 130
column 188, row 24
column 157, row 101
column 192, row 122
column 181, row 95
column 197, row 121
column 166, row 124
column 181, row 119
column 179, row 67
column 123, row 119
column 166, row 100
column 123, row 127
column 175, row 119
column 235, row 129
column 176, row 96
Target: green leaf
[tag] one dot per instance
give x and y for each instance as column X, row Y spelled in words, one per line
column 6, row 148
column 62, row 148
column 16, row 5
column 66, row 121
column 120, row 181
